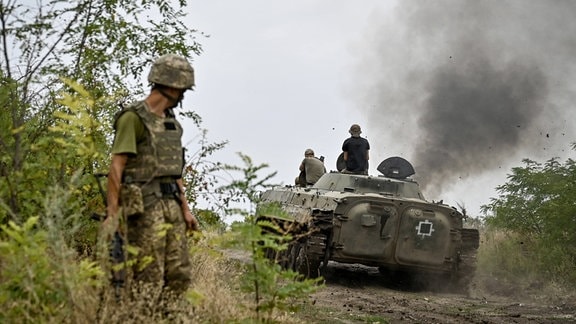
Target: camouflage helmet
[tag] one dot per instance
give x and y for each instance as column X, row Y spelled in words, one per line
column 355, row 129
column 173, row 71
column 309, row 152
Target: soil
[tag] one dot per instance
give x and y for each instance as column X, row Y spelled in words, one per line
column 358, row 294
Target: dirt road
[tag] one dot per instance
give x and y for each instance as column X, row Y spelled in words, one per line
column 357, row 294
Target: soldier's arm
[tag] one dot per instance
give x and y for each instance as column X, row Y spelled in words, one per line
column 189, row 218
column 114, row 181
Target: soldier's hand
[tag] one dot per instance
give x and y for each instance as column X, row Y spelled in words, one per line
column 191, row 221
column 110, row 223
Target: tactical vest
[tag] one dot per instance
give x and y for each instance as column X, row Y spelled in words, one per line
column 160, row 153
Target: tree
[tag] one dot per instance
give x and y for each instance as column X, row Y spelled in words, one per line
column 537, row 202
column 104, row 45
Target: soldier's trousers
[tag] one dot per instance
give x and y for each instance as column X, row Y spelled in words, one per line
column 160, row 238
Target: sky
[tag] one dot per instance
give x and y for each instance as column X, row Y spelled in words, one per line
column 464, row 90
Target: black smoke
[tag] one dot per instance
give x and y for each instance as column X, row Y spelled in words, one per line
column 460, row 88
column 474, row 117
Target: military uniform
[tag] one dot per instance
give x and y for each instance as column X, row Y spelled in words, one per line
column 145, row 178
column 356, row 149
column 155, row 161
column 313, row 168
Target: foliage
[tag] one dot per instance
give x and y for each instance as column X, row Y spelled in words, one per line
column 228, row 190
column 504, row 255
column 537, row 203
column 104, row 45
column 56, row 133
column 210, row 220
column 246, row 188
column 215, row 291
column 77, row 137
column 202, row 174
column 39, row 283
column 273, row 288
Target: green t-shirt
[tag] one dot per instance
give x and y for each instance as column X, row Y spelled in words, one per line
column 129, row 131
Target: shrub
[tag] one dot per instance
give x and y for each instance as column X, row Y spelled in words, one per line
column 41, row 284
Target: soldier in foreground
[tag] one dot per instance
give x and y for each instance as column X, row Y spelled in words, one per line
column 356, row 152
column 145, row 179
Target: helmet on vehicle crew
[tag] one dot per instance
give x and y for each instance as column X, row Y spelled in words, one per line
column 173, row 71
column 355, row 130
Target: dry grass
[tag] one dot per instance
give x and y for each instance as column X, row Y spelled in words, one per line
column 213, row 296
column 508, row 267
column 215, row 291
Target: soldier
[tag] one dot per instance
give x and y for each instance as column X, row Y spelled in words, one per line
column 311, row 169
column 145, row 178
column 356, row 152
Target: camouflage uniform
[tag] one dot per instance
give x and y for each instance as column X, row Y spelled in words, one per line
column 157, row 163
column 170, row 263
column 150, row 195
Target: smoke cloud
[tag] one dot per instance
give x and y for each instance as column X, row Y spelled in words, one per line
column 460, row 88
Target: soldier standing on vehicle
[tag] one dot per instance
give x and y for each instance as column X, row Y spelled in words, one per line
column 145, row 178
column 311, row 169
column 356, row 152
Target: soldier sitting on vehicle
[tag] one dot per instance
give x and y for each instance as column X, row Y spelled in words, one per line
column 356, row 152
column 311, row 169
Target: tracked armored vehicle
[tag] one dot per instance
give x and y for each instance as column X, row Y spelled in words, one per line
column 381, row 221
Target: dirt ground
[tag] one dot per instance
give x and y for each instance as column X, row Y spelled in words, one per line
column 358, row 294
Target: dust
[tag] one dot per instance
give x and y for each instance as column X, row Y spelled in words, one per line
column 354, row 293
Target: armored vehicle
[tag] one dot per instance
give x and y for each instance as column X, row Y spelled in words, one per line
column 381, row 221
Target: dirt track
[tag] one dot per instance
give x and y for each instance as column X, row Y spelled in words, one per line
column 355, row 294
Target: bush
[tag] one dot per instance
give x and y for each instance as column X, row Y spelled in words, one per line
column 535, row 209
column 512, row 264
column 39, row 284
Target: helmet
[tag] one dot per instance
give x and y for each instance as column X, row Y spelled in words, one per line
column 355, row 129
column 173, row 71
column 308, row 152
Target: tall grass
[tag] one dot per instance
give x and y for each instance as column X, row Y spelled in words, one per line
column 510, row 264
column 215, row 291
column 44, row 280
column 41, row 278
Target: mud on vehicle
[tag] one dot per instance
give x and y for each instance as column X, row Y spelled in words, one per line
column 381, row 221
